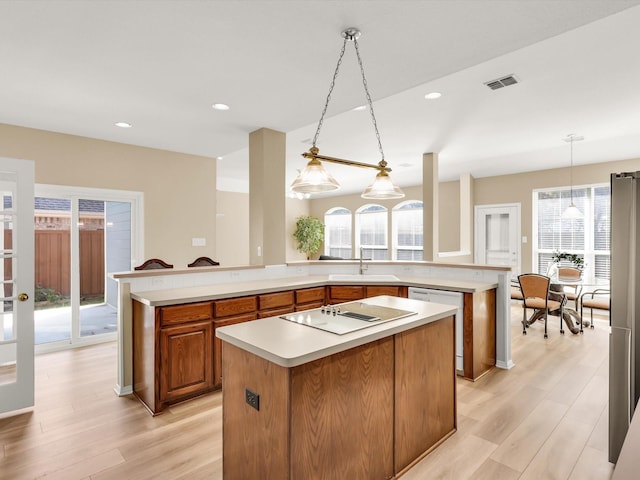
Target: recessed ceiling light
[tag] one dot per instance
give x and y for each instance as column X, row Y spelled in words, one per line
column 123, row 125
column 360, row 108
column 433, row 95
column 218, row 158
column 220, row 106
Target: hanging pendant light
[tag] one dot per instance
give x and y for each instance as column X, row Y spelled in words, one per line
column 572, row 211
column 314, row 178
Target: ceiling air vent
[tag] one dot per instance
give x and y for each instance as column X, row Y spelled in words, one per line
column 501, row 82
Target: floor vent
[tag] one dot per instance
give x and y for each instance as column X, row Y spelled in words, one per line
column 501, row 82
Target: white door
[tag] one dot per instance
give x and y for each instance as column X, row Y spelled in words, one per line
column 497, row 235
column 16, row 307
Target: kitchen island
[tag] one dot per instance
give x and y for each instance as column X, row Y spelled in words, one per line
column 301, row 402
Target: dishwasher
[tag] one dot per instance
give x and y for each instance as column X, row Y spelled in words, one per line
column 445, row 297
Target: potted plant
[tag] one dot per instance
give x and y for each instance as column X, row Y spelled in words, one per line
column 575, row 260
column 309, row 233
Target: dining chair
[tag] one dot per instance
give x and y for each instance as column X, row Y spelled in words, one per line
column 572, row 292
column 536, row 295
column 516, row 293
column 203, row 262
column 600, row 299
column 153, row 264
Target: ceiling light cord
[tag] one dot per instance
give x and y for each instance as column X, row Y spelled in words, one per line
column 333, row 84
column 383, row 163
column 571, row 169
column 353, row 38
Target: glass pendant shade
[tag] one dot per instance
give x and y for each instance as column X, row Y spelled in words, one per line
column 572, row 212
column 314, row 179
column 382, row 188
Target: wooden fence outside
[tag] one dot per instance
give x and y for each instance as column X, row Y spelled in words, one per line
column 53, row 261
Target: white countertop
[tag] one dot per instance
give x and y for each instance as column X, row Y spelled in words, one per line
column 175, row 296
column 289, row 344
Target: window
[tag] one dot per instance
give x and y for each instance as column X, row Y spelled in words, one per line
column 407, row 231
column 588, row 237
column 371, row 231
column 337, row 232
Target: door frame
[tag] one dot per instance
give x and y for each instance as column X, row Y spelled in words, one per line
column 19, row 395
column 480, row 211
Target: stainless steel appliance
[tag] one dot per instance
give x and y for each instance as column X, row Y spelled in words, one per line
column 447, row 298
column 624, row 340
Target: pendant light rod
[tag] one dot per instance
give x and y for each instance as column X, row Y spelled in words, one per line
column 313, row 153
column 572, row 211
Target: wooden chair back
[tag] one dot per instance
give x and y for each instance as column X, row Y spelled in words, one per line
column 153, row 264
column 203, row 262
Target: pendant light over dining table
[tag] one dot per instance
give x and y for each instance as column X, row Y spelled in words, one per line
column 572, row 211
column 314, row 178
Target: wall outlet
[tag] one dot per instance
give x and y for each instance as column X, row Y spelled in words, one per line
column 252, row 398
column 198, row 242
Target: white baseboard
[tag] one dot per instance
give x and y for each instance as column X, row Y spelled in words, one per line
column 122, row 391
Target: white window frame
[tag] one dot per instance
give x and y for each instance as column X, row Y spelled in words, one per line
column 589, row 253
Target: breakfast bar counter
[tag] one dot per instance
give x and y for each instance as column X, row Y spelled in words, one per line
column 302, row 402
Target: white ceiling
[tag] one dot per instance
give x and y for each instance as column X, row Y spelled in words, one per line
column 79, row 67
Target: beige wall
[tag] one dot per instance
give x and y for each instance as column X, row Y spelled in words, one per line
column 449, row 215
column 232, row 228
column 518, row 188
column 179, row 189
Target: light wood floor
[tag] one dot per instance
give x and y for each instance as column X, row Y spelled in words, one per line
column 544, row 419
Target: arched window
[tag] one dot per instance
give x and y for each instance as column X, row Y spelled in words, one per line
column 408, row 240
column 337, row 232
column 371, row 231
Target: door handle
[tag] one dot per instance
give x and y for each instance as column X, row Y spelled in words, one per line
column 23, row 297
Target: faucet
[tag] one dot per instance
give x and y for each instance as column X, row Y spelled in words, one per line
column 362, row 266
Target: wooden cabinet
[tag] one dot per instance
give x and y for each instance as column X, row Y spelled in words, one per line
column 217, row 343
column 308, row 298
column 186, row 361
column 344, row 293
column 172, row 353
column 273, row 304
column 392, row 290
column 349, row 293
column 370, row 412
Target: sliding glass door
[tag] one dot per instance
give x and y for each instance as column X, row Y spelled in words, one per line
column 82, row 235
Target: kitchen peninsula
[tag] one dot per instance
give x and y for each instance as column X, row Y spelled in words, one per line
column 302, row 402
column 165, row 312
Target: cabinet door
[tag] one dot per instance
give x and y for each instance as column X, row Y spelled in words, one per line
column 186, row 361
column 339, row 294
column 217, row 343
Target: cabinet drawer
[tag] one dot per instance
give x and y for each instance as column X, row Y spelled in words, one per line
column 274, row 300
column 234, row 306
column 344, row 293
column 276, row 312
column 189, row 312
column 310, row 295
column 374, row 291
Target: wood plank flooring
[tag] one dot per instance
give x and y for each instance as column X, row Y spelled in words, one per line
column 544, row 419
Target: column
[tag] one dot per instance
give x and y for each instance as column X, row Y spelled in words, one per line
column 430, row 209
column 267, row 208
